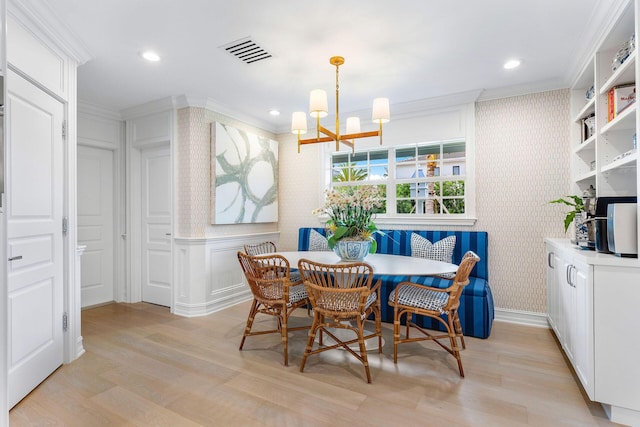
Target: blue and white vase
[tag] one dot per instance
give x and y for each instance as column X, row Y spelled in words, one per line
column 352, row 250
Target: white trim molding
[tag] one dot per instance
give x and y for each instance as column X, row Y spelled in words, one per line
column 526, row 318
column 207, row 275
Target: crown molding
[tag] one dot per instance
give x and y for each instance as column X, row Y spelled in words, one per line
column 525, row 89
column 148, row 108
column 42, row 20
column 184, row 101
column 89, row 109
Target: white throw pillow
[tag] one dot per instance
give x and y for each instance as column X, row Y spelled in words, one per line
column 441, row 250
column 317, row 242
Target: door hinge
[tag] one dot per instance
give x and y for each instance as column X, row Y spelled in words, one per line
column 65, row 226
column 65, row 322
column 64, row 129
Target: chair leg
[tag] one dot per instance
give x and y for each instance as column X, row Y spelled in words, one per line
column 363, row 349
column 252, row 313
column 285, row 336
column 378, row 318
column 456, row 322
column 312, row 337
column 454, row 345
column 396, row 333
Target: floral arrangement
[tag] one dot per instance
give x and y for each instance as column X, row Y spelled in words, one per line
column 351, row 213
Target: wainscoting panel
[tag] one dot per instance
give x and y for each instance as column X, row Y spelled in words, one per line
column 207, row 275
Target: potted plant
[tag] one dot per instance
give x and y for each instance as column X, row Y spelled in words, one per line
column 351, row 228
column 576, row 203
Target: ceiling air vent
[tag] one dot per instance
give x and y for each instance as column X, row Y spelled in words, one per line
column 246, row 50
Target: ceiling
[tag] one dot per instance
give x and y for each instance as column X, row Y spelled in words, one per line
column 405, row 50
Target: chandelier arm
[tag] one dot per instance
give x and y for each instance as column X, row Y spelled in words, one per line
column 359, row 135
column 327, row 132
column 316, row 140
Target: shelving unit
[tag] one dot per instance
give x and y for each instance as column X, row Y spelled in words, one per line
column 608, row 161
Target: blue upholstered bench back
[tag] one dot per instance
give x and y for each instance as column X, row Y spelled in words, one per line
column 398, row 242
column 476, row 304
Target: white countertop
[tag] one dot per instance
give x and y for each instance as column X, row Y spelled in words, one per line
column 593, row 257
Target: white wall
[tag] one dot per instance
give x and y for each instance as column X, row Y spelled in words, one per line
column 522, row 162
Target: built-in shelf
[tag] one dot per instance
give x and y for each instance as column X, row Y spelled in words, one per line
column 591, row 175
column 625, row 120
column 629, row 161
column 588, row 145
column 626, row 73
column 587, row 110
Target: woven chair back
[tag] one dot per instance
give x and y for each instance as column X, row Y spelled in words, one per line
column 260, row 248
column 337, row 290
column 461, row 278
column 266, row 275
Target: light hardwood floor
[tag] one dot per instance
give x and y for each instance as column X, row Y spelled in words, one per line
column 146, row 367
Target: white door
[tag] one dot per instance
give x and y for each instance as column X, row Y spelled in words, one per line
column 34, row 235
column 156, row 226
column 95, row 224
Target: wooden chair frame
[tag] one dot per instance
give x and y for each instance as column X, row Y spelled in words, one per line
column 339, row 295
column 270, row 284
column 452, row 324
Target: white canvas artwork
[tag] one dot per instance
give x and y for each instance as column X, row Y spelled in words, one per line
column 246, row 176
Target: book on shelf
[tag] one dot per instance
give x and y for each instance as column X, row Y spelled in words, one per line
column 610, row 109
column 619, row 98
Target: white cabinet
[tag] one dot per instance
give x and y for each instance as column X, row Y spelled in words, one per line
column 593, row 310
column 569, row 295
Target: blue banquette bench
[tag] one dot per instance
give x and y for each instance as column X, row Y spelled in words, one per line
column 476, row 303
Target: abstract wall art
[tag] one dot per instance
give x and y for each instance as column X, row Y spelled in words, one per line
column 245, row 189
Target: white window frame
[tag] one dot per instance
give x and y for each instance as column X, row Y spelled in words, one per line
column 440, row 119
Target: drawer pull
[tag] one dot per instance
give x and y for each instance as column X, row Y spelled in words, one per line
column 15, row 258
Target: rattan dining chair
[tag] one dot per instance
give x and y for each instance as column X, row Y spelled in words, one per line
column 263, row 248
column 341, row 294
column 274, row 294
column 260, row 248
column 410, row 298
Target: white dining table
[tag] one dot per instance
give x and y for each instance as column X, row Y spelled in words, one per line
column 383, row 264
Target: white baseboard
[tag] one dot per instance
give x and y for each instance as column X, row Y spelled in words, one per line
column 198, row 310
column 526, row 318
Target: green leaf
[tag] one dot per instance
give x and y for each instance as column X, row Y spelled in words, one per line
column 567, row 221
column 374, row 246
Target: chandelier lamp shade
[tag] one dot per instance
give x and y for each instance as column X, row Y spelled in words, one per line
column 318, row 108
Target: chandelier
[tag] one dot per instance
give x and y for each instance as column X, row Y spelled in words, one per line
column 318, row 109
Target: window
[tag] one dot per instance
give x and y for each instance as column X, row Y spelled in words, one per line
column 424, row 180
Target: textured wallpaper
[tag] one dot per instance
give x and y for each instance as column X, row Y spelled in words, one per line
column 522, row 162
column 195, row 176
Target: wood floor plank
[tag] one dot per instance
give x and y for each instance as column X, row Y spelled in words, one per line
column 144, row 366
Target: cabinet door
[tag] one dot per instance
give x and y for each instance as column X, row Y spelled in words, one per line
column 552, row 289
column 583, row 326
column 566, row 305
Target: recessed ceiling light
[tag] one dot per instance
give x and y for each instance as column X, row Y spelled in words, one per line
column 274, row 112
column 511, row 64
column 150, row 56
